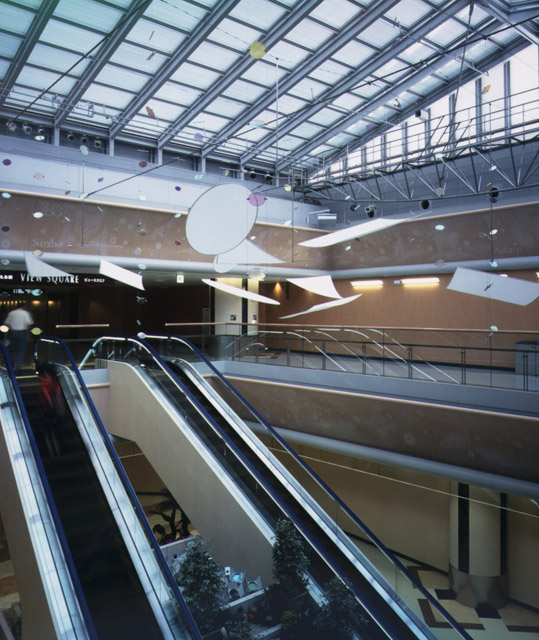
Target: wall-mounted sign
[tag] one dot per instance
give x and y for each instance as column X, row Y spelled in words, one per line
column 22, row 277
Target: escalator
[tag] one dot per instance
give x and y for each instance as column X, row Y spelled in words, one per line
column 116, row 600
column 127, row 589
column 265, row 488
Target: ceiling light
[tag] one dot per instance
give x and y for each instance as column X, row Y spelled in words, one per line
column 493, row 232
column 439, row 227
column 367, row 283
column 348, row 247
column 493, row 263
column 252, row 175
column 355, row 207
column 503, row 275
column 38, row 214
column 12, row 126
column 40, row 135
column 70, row 136
column 97, row 143
column 84, row 139
column 287, row 223
column 288, row 187
column 426, row 280
column 27, row 128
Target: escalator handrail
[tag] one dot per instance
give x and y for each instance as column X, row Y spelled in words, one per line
column 328, row 559
column 188, row 617
column 379, row 544
column 85, row 611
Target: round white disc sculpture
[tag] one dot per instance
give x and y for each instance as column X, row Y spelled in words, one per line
column 220, row 219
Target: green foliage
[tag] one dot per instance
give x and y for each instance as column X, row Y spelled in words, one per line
column 200, row 579
column 290, row 563
column 340, row 614
column 237, row 631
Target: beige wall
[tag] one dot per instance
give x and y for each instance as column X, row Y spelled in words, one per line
column 431, row 306
column 488, row 441
column 217, row 512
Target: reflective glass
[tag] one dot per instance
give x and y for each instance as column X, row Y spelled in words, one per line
column 9, row 45
column 408, row 12
column 16, row 19
column 88, row 13
column 286, row 54
column 211, row 55
column 309, row 33
column 234, row 35
column 325, row 116
column 116, row 76
column 156, row 36
column 335, row 13
column 354, row 53
column 259, row 13
column 195, row 75
column 379, row 33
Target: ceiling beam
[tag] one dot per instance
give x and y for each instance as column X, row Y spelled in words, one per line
column 379, row 100
column 300, row 11
column 197, row 37
column 498, row 10
column 23, row 53
column 332, row 45
column 113, row 41
column 353, row 78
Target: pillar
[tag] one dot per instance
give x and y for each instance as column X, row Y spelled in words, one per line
column 477, row 546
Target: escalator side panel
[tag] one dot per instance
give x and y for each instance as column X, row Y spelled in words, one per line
column 113, row 591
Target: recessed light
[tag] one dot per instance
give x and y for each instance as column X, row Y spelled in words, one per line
column 367, row 283
column 439, row 227
column 38, row 214
column 426, row 280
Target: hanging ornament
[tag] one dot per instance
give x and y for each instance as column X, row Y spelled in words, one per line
column 257, row 50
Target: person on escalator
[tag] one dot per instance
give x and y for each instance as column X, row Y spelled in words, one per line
column 53, row 406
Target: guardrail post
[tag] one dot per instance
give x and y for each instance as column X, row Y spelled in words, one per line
column 288, row 352
column 525, row 370
column 463, row 365
column 364, row 355
column 324, row 356
column 410, row 372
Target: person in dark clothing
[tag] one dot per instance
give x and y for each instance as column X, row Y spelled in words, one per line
column 53, row 407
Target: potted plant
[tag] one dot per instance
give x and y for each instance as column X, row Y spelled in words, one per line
column 290, row 563
column 340, row 614
column 199, row 577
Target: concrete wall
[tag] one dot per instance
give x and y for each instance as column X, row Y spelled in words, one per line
column 218, row 512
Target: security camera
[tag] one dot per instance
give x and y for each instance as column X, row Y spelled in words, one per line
column 370, row 210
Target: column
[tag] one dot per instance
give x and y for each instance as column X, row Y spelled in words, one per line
column 477, row 546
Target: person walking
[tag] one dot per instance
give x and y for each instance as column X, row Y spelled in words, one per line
column 19, row 321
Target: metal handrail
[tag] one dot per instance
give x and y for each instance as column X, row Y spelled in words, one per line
column 387, row 553
column 85, row 611
column 128, row 487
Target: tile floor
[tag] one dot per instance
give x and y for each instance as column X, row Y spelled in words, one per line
column 512, row 622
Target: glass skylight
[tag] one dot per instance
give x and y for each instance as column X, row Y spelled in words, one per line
column 173, row 76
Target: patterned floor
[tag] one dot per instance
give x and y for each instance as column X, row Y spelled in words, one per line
column 512, row 622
